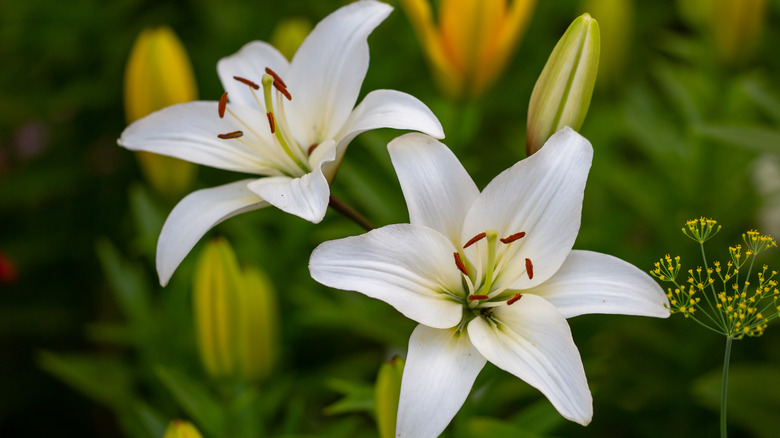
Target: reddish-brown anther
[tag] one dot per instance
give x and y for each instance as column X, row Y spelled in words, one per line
column 247, row 82
column 529, row 268
column 282, row 89
column 222, row 105
column 276, row 77
column 229, row 135
column 311, row 148
column 460, row 265
column 474, row 240
column 514, row 299
column 271, row 122
column 513, row 237
column 477, row 297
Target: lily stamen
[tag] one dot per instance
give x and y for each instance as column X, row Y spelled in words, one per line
column 230, row 135
column 222, row 105
column 247, row 82
column 477, row 297
column 276, row 77
column 511, row 238
column 474, row 240
column 529, row 268
column 514, row 299
column 460, row 265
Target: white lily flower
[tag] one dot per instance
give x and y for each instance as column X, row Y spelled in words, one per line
column 489, row 276
column 287, row 121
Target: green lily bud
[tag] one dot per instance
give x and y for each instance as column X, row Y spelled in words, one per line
column 235, row 316
column 159, row 74
column 289, row 34
column 387, row 391
column 562, row 93
column 181, row 429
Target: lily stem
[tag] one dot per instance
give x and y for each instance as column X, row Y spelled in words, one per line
column 724, row 387
column 350, row 213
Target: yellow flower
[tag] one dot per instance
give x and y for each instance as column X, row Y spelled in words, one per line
column 289, row 34
column 735, row 26
column 472, row 45
column 159, row 74
column 181, row 429
column 235, row 315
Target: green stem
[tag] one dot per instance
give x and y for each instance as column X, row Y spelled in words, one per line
column 351, row 213
column 724, row 387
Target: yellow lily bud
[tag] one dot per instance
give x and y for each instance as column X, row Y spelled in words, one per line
column 235, row 315
column 615, row 24
column 181, row 429
column 289, row 34
column 562, row 93
column 159, row 74
column 386, row 394
column 474, row 40
column 735, row 25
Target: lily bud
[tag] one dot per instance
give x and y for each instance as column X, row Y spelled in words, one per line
column 735, row 26
column 235, row 316
column 181, row 429
column 159, row 74
column 387, row 391
column 289, row 34
column 562, row 93
column 473, row 42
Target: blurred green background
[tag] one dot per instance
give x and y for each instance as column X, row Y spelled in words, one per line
column 92, row 346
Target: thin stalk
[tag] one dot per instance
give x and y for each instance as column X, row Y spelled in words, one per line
column 724, row 384
column 350, row 213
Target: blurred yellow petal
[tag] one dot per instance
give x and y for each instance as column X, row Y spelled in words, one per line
column 471, row 46
column 181, row 429
column 217, row 278
column 258, row 332
column 159, row 74
column 735, row 26
column 289, row 34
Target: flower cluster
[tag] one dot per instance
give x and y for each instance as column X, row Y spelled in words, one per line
column 721, row 296
column 489, row 275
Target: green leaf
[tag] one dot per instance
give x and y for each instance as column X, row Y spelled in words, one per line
column 194, row 399
column 128, row 283
column 483, row 427
column 150, row 422
column 358, row 397
column 148, row 219
column 757, row 138
column 753, row 398
column 105, row 380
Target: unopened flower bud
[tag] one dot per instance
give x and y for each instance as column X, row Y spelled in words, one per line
column 289, row 34
column 386, row 394
column 562, row 93
column 735, row 26
column 181, row 429
column 159, row 74
column 235, row 316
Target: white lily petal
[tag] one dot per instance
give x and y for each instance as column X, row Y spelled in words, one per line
column 591, row 282
column 407, row 266
column 438, row 375
column 391, row 109
column 541, row 196
column 250, row 63
column 307, row 196
column 328, row 69
column 188, row 131
column 194, row 215
column 532, row 340
column 438, row 190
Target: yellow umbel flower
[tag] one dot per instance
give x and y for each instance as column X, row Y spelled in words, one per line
column 722, row 294
column 159, row 74
column 473, row 41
